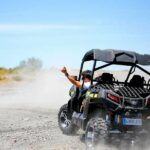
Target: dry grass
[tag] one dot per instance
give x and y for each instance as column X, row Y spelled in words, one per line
column 9, row 75
column 16, row 75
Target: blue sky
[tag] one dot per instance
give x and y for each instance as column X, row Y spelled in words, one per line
column 59, row 32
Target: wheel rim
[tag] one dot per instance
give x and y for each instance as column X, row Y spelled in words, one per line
column 95, row 133
column 65, row 121
column 90, row 138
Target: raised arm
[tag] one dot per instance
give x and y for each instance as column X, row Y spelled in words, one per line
column 70, row 78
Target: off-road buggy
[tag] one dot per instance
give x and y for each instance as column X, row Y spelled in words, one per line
column 115, row 111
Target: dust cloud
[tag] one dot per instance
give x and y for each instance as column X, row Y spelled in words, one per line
column 28, row 114
column 24, row 126
column 49, row 89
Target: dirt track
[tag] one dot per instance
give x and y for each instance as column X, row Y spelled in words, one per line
column 34, row 130
column 28, row 115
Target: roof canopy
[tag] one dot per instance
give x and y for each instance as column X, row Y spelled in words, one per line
column 117, row 56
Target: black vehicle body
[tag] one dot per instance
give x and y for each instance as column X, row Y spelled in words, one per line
column 123, row 106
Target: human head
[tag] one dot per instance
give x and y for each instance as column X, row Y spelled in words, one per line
column 87, row 74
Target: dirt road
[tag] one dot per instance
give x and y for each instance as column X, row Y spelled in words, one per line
column 27, row 118
column 34, row 129
column 28, row 115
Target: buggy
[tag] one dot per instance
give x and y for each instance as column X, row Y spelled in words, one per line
column 115, row 111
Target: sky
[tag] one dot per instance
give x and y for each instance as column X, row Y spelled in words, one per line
column 60, row 32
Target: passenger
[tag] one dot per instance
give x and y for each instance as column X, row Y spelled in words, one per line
column 86, row 77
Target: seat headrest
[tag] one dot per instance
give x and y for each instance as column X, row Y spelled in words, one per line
column 107, row 78
column 137, row 81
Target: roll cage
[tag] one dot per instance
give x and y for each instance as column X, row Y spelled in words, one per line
column 116, row 57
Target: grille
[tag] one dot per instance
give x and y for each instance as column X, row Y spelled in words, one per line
column 124, row 91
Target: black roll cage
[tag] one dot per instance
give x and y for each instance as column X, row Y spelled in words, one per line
column 131, row 70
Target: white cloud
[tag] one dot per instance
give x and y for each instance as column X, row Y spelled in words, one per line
column 30, row 27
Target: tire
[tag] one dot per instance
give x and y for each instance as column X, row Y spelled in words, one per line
column 64, row 121
column 96, row 132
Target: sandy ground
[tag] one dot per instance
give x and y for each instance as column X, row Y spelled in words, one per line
column 22, row 129
column 28, row 115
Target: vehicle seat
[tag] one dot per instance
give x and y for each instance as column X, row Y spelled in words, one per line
column 107, row 78
column 137, row 81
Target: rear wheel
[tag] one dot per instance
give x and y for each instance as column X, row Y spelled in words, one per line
column 64, row 121
column 96, row 132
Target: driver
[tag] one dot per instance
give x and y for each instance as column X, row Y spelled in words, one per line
column 86, row 77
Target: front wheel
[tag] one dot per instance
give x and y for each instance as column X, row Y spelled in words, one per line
column 64, row 121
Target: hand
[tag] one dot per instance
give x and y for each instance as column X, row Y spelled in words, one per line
column 64, row 70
